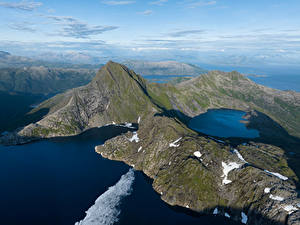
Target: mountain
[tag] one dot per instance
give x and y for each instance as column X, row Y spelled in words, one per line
column 251, row 182
column 43, row 80
column 67, row 61
column 69, row 58
column 164, row 68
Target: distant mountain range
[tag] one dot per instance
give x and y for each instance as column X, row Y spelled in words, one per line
column 43, row 80
column 8, row 60
column 164, row 68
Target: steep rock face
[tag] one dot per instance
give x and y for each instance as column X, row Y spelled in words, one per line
column 114, row 95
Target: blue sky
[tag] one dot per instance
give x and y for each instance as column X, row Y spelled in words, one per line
column 224, row 32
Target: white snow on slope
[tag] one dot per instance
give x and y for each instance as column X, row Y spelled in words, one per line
column 267, row 190
column 105, row 210
column 226, row 169
column 134, row 137
column 174, row 144
column 140, row 148
column 197, row 154
column 276, row 198
column 139, row 119
column 227, row 215
column 290, row 209
column 239, row 155
column 277, row 175
column 244, row 218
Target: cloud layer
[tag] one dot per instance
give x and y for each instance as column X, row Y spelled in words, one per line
column 23, row 5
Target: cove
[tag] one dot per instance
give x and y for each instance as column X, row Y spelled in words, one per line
column 222, row 123
column 53, row 182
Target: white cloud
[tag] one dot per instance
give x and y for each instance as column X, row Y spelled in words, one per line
column 146, row 12
column 159, row 2
column 23, row 5
column 201, row 4
column 71, row 27
column 118, row 2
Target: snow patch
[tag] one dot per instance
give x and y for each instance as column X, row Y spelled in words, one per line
column 227, row 215
column 140, row 148
column 105, row 210
column 239, row 155
column 244, row 218
column 134, row 137
column 139, row 119
column 187, row 206
column 267, row 190
column 216, row 211
column 226, row 169
column 277, row 175
column 169, row 163
column 290, row 209
column 107, row 106
column 276, row 198
column 197, row 154
column 174, row 144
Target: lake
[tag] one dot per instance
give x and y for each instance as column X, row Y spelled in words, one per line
column 53, row 182
column 222, row 123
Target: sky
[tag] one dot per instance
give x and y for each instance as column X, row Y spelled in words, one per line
column 223, row 32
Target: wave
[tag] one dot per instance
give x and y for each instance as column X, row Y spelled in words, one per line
column 105, row 211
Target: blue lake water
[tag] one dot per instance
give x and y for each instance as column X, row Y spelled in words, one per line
column 222, row 123
column 54, row 182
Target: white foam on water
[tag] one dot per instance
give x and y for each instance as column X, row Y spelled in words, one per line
column 105, row 211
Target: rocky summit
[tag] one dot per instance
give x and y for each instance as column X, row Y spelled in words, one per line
column 252, row 182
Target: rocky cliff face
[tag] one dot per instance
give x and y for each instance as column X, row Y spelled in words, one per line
column 251, row 183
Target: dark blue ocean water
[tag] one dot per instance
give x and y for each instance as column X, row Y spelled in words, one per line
column 54, row 182
column 222, row 123
column 280, row 82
